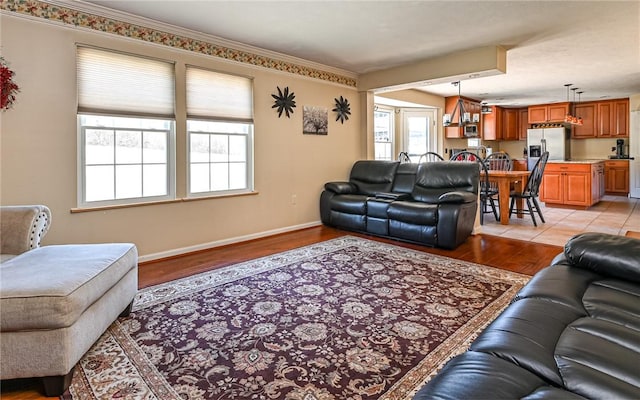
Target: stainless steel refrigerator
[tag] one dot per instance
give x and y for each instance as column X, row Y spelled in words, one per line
column 556, row 140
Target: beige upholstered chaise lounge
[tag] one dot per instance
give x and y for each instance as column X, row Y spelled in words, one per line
column 56, row 301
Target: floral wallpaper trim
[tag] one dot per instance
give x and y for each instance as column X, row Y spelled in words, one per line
column 69, row 16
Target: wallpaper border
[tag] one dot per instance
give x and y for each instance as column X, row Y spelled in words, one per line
column 69, row 16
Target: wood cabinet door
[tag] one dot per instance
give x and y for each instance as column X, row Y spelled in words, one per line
column 523, row 123
column 588, row 129
column 577, row 189
column 537, row 114
column 551, row 187
column 617, row 177
column 605, row 119
column 510, row 124
column 557, row 112
column 492, row 124
column 621, row 118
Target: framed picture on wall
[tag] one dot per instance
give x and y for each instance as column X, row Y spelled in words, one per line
column 315, row 120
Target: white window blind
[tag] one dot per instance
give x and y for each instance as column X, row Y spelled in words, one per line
column 119, row 84
column 217, row 96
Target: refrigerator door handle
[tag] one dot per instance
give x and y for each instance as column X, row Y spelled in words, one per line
column 544, row 146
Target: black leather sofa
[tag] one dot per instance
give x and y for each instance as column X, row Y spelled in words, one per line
column 573, row 332
column 434, row 203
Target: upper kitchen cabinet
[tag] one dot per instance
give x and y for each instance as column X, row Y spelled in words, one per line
column 492, row 124
column 542, row 113
column 523, row 123
column 510, row 124
column 602, row 119
column 587, row 111
column 504, row 124
column 471, row 106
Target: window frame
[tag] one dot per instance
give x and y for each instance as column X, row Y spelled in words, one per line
column 250, row 171
column 391, row 112
column 81, row 164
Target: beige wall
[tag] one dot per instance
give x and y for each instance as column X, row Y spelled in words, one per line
column 39, row 142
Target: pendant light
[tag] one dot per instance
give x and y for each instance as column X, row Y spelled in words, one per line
column 459, row 116
column 569, row 118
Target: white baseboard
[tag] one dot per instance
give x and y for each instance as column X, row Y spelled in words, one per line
column 223, row 242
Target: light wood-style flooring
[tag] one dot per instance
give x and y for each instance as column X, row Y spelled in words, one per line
column 500, row 252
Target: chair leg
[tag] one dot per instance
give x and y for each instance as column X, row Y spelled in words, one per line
column 513, row 202
column 493, row 208
column 535, row 202
column 533, row 216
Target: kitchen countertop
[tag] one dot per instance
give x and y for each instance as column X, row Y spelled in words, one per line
column 576, row 161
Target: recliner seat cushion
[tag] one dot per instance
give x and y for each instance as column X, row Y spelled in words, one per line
column 349, row 203
column 50, row 287
column 413, row 212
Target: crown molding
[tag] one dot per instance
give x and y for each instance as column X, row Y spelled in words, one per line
column 82, row 11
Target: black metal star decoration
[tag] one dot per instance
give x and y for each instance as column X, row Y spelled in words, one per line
column 342, row 109
column 284, row 102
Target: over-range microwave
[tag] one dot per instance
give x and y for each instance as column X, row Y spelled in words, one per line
column 471, row 130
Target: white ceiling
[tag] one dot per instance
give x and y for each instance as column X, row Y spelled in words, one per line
column 594, row 45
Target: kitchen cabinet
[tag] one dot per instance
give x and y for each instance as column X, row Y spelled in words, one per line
column 502, row 124
column 492, row 124
column 602, row 119
column 542, row 113
column 510, row 124
column 588, row 128
column 471, row 106
column 523, row 123
column 616, row 177
column 572, row 184
column 519, row 165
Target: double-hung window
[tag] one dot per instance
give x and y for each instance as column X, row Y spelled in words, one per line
column 126, row 125
column 219, row 132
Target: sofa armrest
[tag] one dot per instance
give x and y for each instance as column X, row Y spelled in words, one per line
column 23, row 227
column 457, row 197
column 341, row 187
column 606, row 254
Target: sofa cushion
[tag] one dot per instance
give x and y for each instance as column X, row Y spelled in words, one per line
column 405, row 178
column 433, row 179
column 349, row 203
column 413, row 212
column 50, row 287
column 373, row 176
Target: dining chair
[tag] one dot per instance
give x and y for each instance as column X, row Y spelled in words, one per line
column 498, row 161
column 531, row 190
column 430, row 156
column 485, row 185
column 403, row 157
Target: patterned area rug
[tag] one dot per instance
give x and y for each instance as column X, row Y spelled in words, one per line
column 349, row 318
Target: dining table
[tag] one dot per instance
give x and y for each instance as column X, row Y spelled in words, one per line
column 504, row 180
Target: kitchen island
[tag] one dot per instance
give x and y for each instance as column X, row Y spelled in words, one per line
column 574, row 183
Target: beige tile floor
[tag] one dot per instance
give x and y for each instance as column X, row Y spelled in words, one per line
column 614, row 214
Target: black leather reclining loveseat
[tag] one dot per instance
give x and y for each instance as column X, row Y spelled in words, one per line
column 573, row 332
column 429, row 203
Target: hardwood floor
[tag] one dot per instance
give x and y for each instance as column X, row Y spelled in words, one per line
column 514, row 255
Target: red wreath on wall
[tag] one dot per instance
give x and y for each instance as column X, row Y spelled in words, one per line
column 8, row 87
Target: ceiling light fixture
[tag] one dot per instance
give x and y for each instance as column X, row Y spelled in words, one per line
column 459, row 116
column 569, row 118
